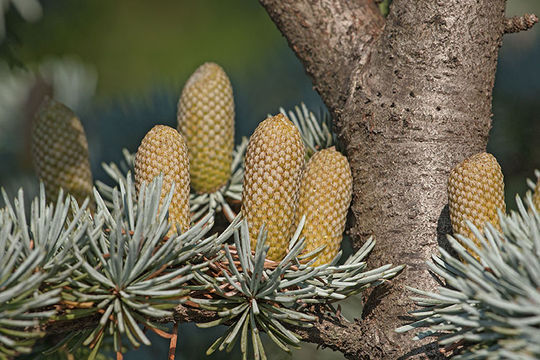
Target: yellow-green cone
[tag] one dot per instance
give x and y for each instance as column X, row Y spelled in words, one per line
column 536, row 195
column 475, row 192
column 273, row 170
column 164, row 150
column 324, row 198
column 60, row 152
column 206, row 119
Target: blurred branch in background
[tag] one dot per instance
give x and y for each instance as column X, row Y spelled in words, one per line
column 29, row 10
column 516, row 110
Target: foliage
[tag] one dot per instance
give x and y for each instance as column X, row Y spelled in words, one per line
column 28, row 10
column 131, row 273
column 315, row 129
column 116, row 272
column 254, row 294
column 35, row 257
column 490, row 308
column 384, row 6
column 200, row 204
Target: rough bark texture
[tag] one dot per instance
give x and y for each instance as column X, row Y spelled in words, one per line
column 329, row 330
column 330, row 37
column 420, row 106
column 520, row 23
column 414, row 99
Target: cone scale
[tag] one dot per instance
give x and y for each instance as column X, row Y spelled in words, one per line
column 273, row 169
column 163, row 151
column 206, row 119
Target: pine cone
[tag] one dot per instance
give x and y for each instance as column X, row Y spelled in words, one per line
column 324, row 198
column 536, row 195
column 273, row 170
column 60, row 152
column 206, row 119
column 164, row 150
column 475, row 192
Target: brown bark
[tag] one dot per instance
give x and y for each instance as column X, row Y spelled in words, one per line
column 411, row 98
column 328, row 49
column 329, row 330
column 520, row 23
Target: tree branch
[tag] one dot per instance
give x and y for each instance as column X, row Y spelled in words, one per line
column 330, row 37
column 330, row 330
column 418, row 101
column 519, row 23
column 419, row 107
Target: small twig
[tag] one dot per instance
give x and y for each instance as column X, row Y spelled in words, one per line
column 172, row 344
column 161, row 333
column 450, row 348
column 519, row 23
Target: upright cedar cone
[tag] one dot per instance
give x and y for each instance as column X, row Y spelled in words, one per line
column 164, row 150
column 273, row 170
column 475, row 192
column 206, row 119
column 324, row 198
column 60, row 152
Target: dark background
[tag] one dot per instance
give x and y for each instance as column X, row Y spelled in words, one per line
column 121, row 66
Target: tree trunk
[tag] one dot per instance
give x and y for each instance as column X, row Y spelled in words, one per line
column 411, row 97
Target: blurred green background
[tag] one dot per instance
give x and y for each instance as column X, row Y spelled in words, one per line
column 122, row 64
